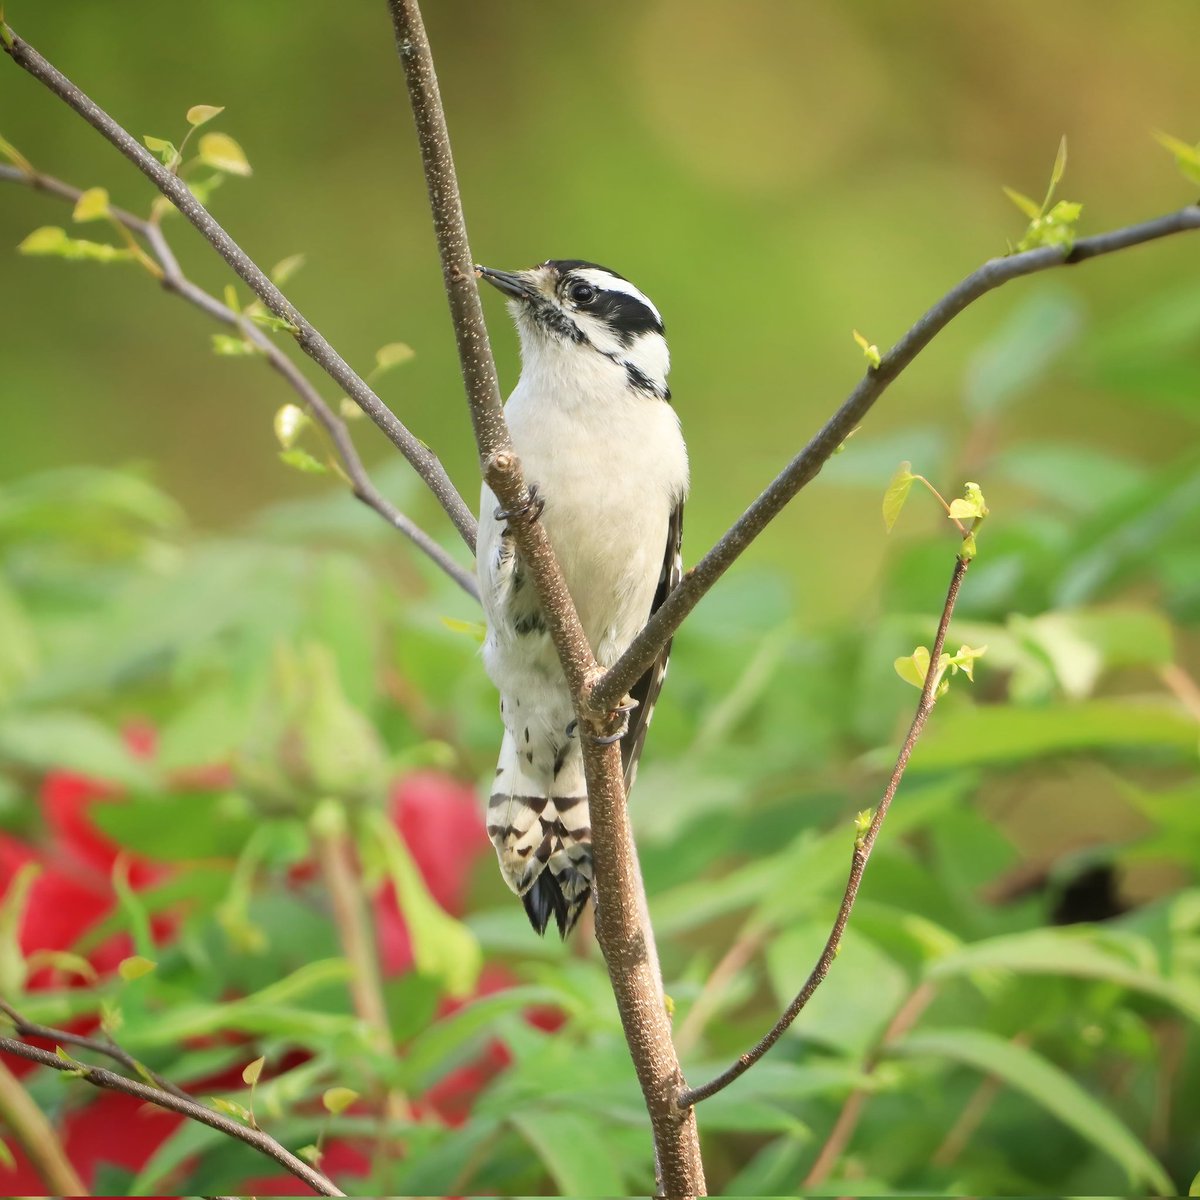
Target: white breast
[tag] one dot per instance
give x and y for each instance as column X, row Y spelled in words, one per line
column 611, row 465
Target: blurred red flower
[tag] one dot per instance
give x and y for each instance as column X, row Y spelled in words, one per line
column 441, row 822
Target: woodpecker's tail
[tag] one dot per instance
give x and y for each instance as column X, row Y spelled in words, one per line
column 538, row 822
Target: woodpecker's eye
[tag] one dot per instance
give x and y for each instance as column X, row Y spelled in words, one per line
column 583, row 293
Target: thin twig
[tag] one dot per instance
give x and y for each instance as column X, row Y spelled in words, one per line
column 102, row 1078
column 35, row 1135
column 622, row 920
column 173, row 280
column 906, row 1016
column 311, row 341
column 805, row 466
column 858, row 863
column 106, row 1047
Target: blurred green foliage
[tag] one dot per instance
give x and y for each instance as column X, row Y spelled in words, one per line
column 706, row 159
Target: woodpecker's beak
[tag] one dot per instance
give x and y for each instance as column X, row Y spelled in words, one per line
column 511, row 283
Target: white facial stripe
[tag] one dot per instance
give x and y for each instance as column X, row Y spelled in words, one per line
column 610, row 283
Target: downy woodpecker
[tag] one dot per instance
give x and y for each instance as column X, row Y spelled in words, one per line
column 591, row 421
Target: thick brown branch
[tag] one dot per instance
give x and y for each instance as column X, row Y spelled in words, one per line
column 858, row 864
column 622, row 922
column 498, row 460
column 173, row 280
column 310, row 339
column 626, row 939
column 102, row 1078
column 805, row 466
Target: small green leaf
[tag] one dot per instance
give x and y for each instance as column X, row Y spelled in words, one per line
column 63, row 1056
column 897, row 494
column 198, row 114
column 285, row 268
column 1178, row 147
column 1023, row 202
column 870, row 351
column 252, row 1071
column 301, row 460
column 337, row 1099
column 92, row 205
column 349, row 410
column 1065, row 212
column 1194, row 1187
column 164, row 149
column 13, row 967
column 968, row 550
column 971, row 506
column 913, row 668
column 274, row 323
column 290, row 422
column 1060, row 164
column 111, row 1017
column 135, row 967
column 220, row 151
column 964, row 660
column 1187, row 158
column 226, row 346
column 231, row 1108
column 15, row 157
column 49, row 239
column 393, row 355
column 311, row 1154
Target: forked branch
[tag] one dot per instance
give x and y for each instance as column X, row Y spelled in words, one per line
column 311, row 341
column 173, row 280
column 805, row 466
column 863, row 845
column 174, row 1101
column 622, row 921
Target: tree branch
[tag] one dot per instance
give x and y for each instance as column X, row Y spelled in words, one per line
column 110, row 1049
column 805, row 466
column 622, row 921
column 309, row 338
column 173, row 280
column 184, row 1106
column 863, row 846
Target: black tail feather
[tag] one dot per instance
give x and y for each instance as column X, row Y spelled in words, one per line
column 545, row 899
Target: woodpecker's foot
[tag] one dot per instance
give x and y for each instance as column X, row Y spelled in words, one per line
column 609, row 739
column 530, row 511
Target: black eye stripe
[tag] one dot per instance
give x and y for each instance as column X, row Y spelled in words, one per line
column 626, row 315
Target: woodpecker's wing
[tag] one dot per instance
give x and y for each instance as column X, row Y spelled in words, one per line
column 646, row 690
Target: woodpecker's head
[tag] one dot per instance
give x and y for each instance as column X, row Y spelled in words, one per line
column 566, row 308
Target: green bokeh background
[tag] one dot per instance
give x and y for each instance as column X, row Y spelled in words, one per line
column 774, row 175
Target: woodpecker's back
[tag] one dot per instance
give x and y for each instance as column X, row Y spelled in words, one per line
column 592, row 423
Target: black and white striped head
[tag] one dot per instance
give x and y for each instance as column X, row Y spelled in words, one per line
column 569, row 307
